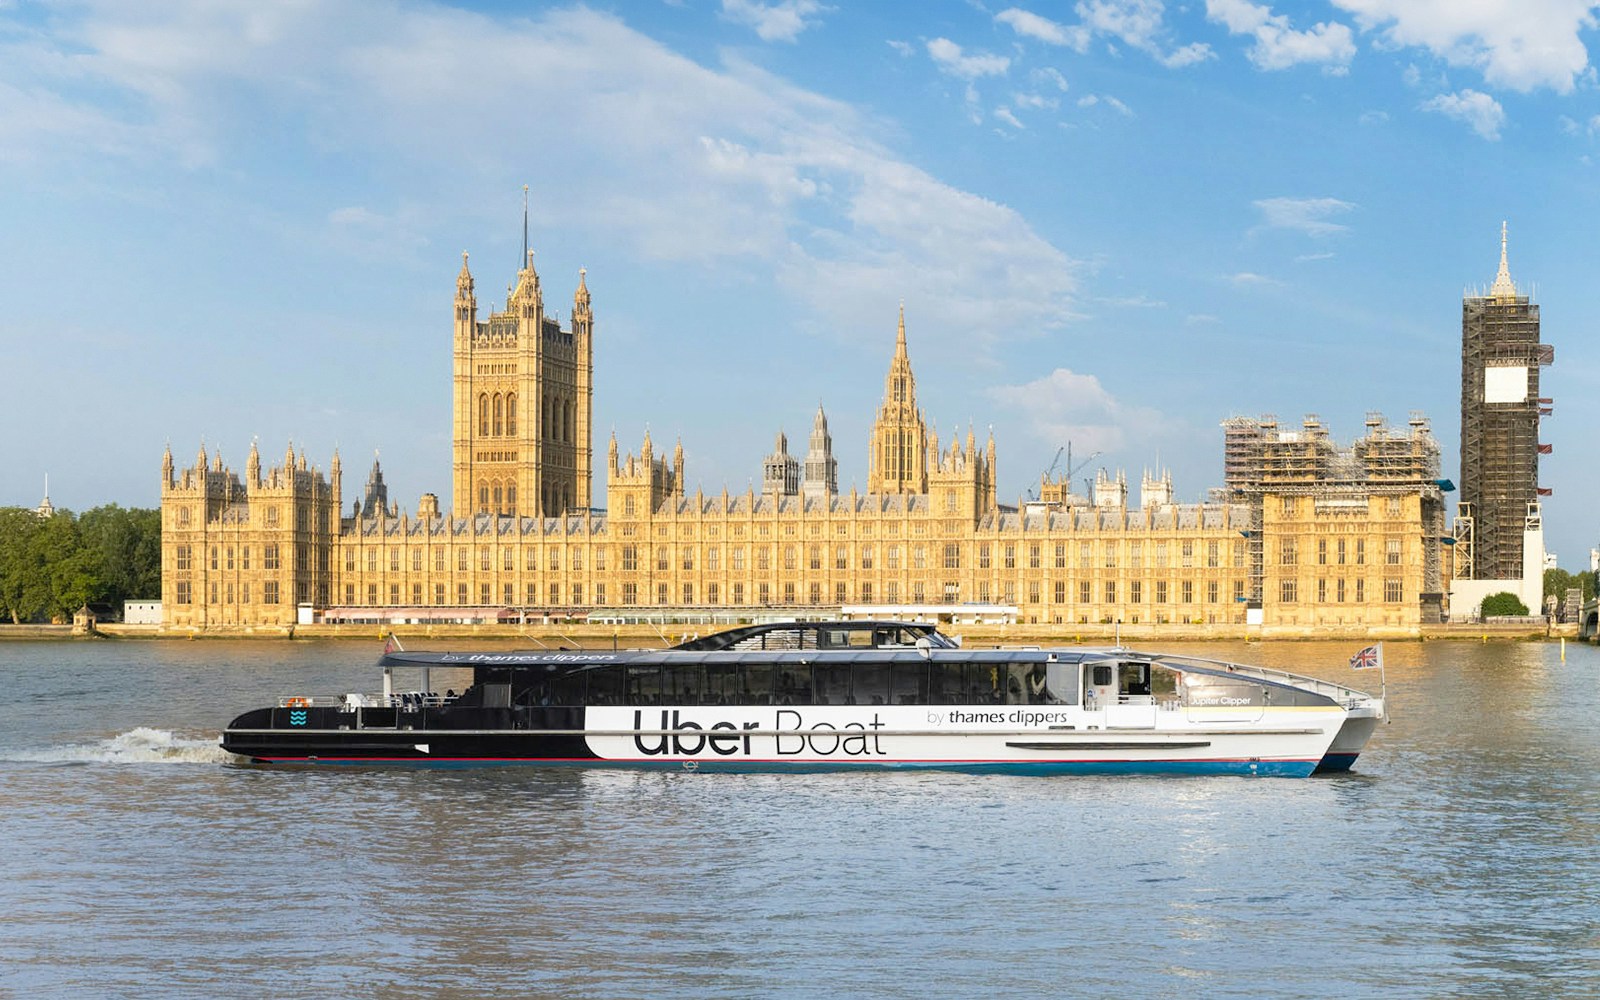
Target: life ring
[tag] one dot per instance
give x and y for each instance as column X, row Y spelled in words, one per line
column 296, row 702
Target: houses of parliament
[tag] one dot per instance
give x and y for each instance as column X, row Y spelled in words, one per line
column 1304, row 533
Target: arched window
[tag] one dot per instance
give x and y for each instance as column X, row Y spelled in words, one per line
column 499, row 415
column 544, row 418
column 566, row 421
column 566, row 498
column 511, row 413
column 511, row 499
column 483, row 415
column 499, row 497
column 483, row 498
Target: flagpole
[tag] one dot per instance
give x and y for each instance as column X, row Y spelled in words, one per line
column 1383, row 681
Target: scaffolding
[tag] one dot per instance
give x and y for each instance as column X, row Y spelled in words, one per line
column 1500, row 410
column 1259, row 458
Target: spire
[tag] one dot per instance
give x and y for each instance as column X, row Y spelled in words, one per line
column 1502, row 287
column 525, row 254
column 166, row 466
column 900, row 337
column 580, row 299
column 252, row 465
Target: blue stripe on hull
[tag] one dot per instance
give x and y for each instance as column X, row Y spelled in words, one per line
column 1261, row 768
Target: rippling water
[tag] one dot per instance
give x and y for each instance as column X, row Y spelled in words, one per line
column 1460, row 860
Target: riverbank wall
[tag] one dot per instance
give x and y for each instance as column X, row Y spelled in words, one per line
column 594, row 636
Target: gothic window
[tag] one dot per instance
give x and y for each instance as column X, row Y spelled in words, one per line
column 511, row 413
column 499, row 499
column 511, row 499
column 483, row 415
column 483, row 498
column 499, row 415
column 566, row 422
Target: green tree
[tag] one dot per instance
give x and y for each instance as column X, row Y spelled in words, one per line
column 24, row 588
column 1558, row 581
column 1503, row 603
column 124, row 546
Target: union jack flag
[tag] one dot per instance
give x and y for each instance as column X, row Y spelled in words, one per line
column 1370, row 658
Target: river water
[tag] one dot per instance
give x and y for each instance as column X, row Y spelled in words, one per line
column 1459, row 860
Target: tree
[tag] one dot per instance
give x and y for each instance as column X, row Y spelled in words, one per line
column 1502, row 604
column 125, row 547
column 1558, row 581
column 50, row 567
column 23, row 595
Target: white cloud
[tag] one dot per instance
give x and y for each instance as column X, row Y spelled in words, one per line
column 1188, row 55
column 1523, row 45
column 1250, row 279
column 1090, row 100
column 1373, row 118
column 1138, row 23
column 1306, row 215
column 1050, row 75
column 904, row 48
column 1038, row 102
column 662, row 158
column 774, row 22
column 952, row 60
column 1068, row 406
column 1004, row 114
column 1043, row 29
column 1307, row 258
column 1477, row 109
column 1278, row 46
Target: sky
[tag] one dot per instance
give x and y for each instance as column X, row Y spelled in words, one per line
column 1112, row 224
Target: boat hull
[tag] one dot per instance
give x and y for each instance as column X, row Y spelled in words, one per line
column 781, row 740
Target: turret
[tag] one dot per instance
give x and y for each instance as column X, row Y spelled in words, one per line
column 252, row 467
column 166, row 468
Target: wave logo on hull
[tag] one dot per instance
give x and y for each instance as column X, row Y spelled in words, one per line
column 297, row 717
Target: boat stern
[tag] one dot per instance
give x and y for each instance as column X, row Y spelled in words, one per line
column 1360, row 720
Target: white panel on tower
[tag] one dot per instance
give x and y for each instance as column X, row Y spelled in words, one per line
column 1505, row 384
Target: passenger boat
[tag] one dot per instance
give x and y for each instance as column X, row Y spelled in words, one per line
column 824, row 696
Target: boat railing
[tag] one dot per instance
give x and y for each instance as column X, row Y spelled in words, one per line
column 355, row 700
column 1346, row 696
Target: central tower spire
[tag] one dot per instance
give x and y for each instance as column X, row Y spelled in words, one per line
column 898, row 462
column 1502, row 287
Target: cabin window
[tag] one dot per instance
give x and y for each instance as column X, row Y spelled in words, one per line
column 644, row 685
column 832, row 684
column 984, row 684
column 756, row 684
column 871, row 684
column 944, row 684
column 793, row 685
column 605, row 685
column 681, row 684
column 909, row 683
column 721, row 685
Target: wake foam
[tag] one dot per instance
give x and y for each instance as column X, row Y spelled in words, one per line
column 141, row 745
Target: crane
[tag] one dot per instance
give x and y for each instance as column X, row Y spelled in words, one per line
column 1066, row 449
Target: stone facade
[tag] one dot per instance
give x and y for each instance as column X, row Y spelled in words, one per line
column 246, row 551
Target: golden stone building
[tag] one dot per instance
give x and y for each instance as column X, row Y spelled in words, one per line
column 1337, row 538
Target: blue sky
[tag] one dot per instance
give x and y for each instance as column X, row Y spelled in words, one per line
column 1112, row 222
